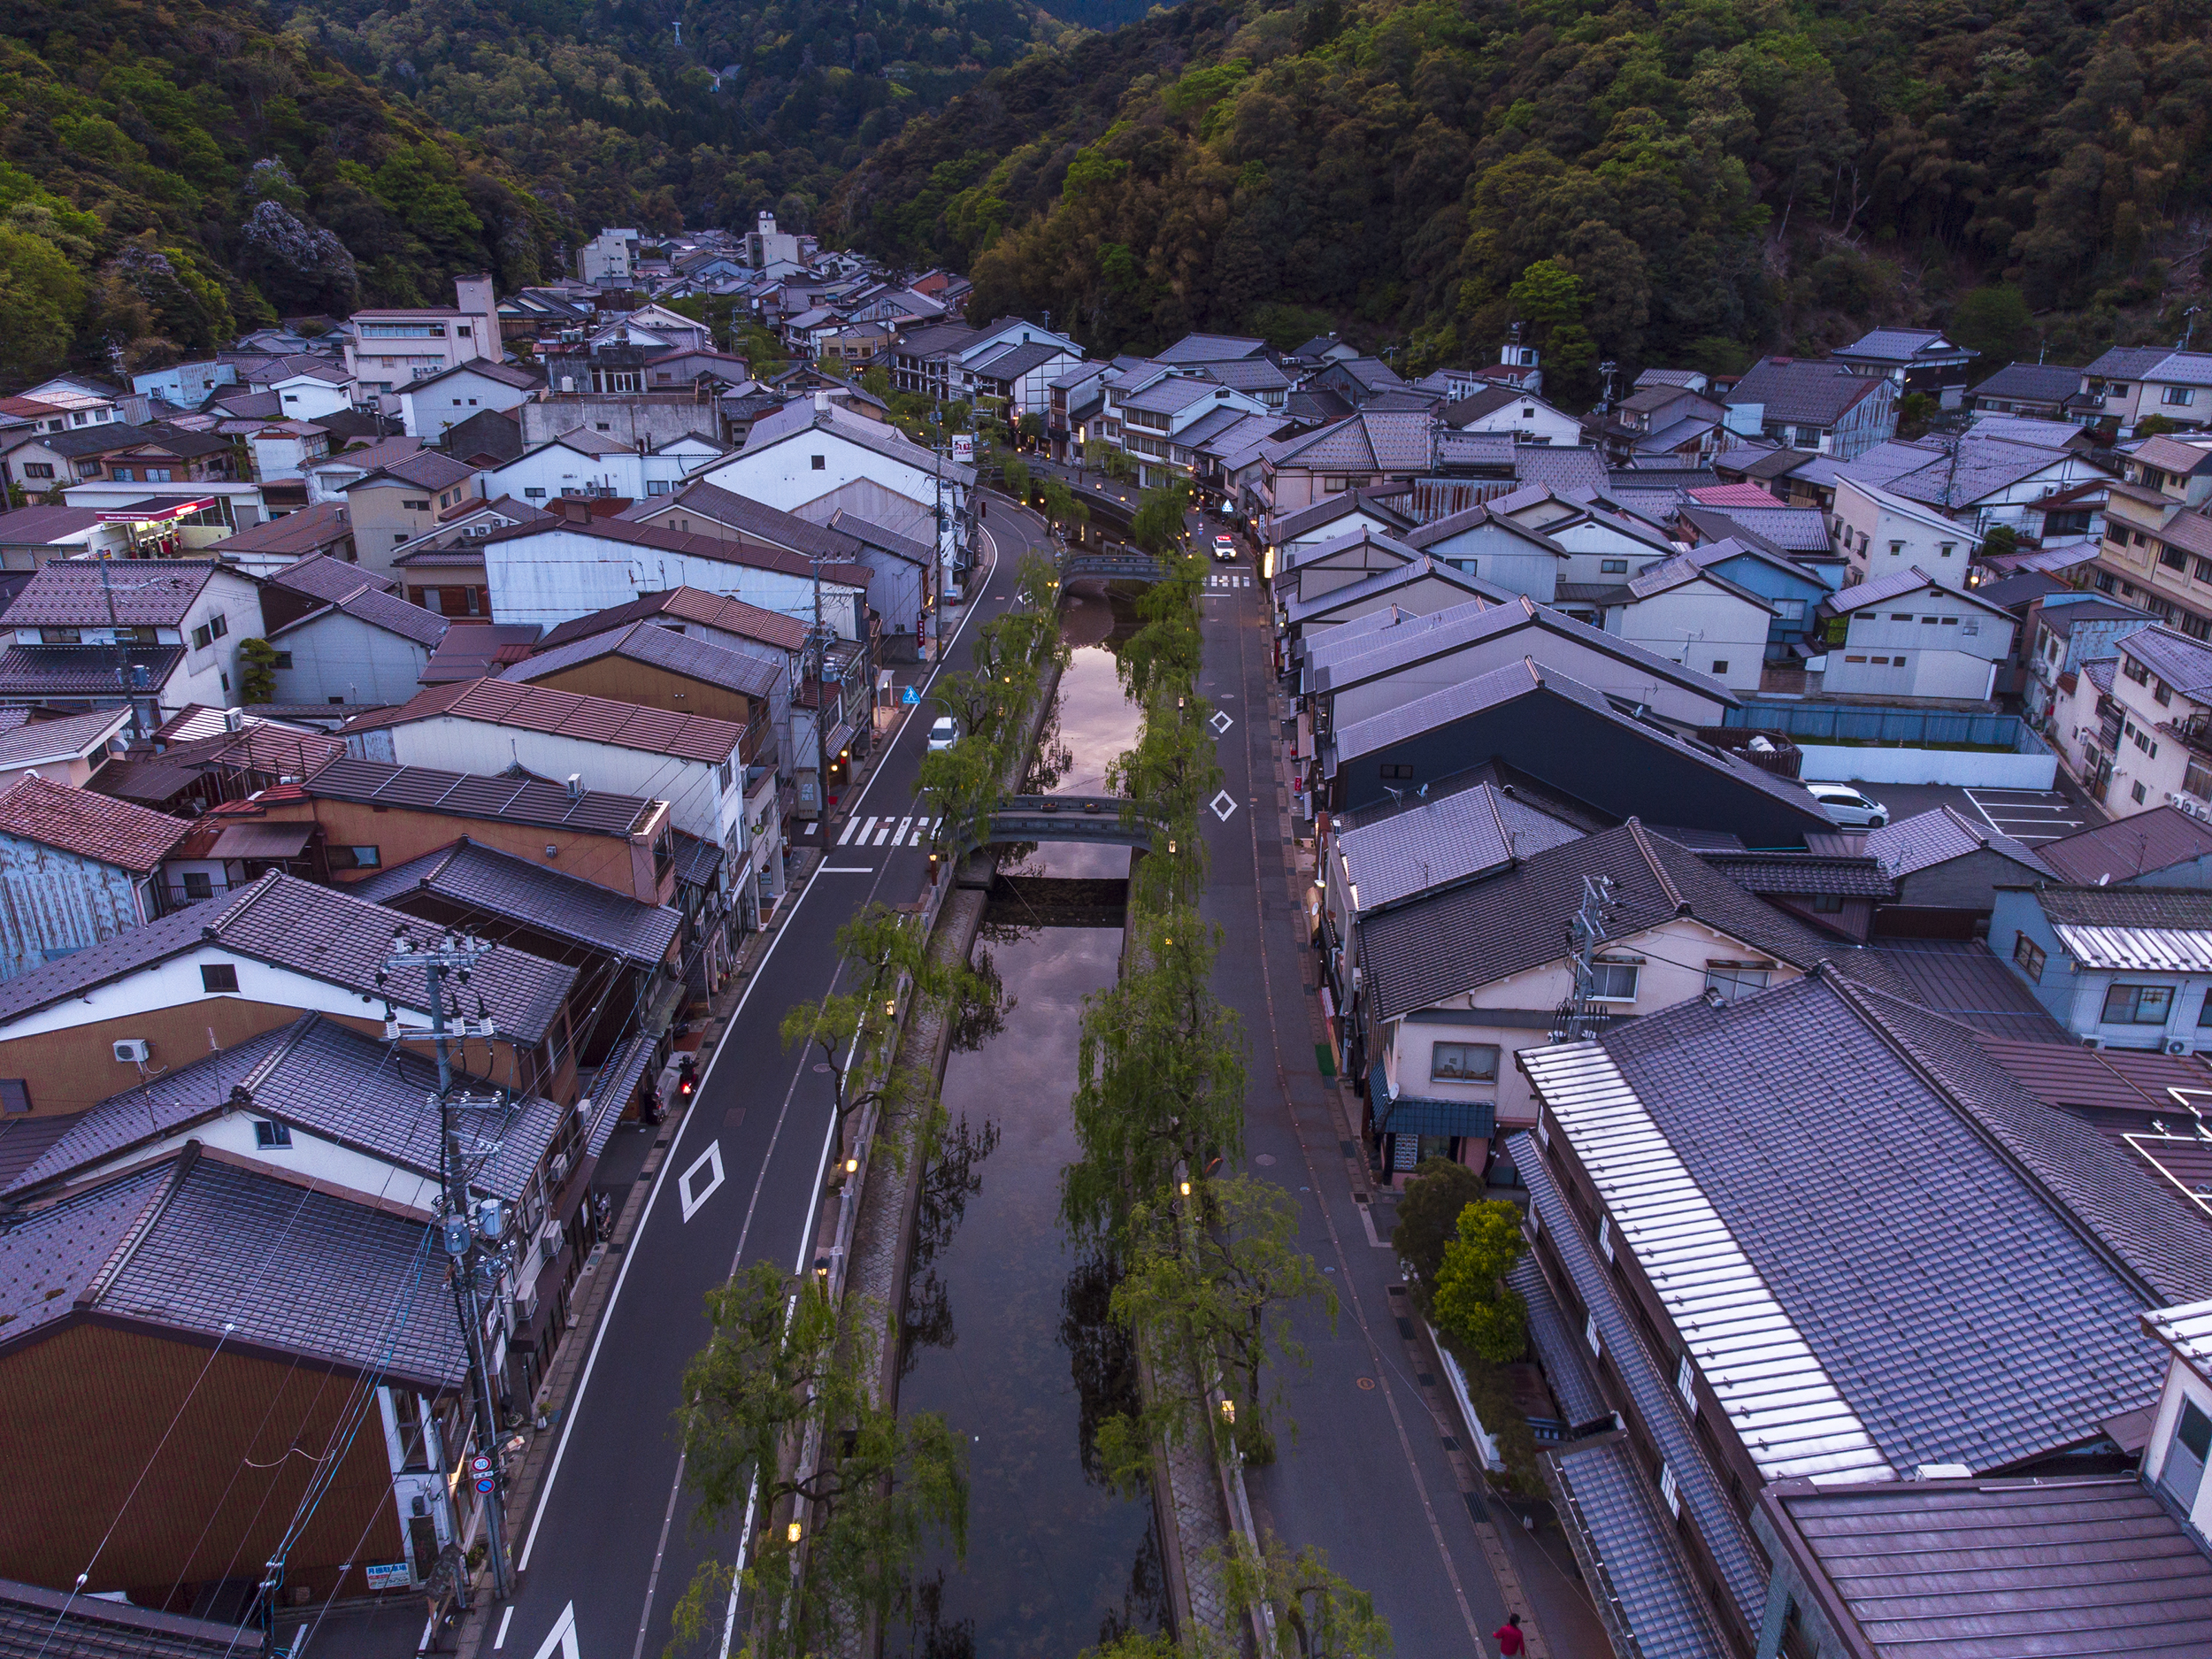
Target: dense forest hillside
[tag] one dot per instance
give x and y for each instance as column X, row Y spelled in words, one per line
column 618, row 117
column 172, row 173
column 1681, row 179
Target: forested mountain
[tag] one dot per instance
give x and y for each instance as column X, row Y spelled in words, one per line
column 1675, row 180
column 172, row 173
column 618, row 120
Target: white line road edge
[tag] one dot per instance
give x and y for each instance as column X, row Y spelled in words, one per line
column 606, row 1316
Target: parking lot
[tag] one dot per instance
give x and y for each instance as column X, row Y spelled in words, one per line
column 2031, row 816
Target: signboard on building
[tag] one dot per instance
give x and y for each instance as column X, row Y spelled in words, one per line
column 388, row 1575
column 964, row 448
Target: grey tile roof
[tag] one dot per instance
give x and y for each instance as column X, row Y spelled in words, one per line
column 1392, row 442
column 1017, row 361
column 1249, row 374
column 741, row 512
column 1796, row 529
column 1656, row 1404
column 1802, row 391
column 69, row 594
column 1560, row 467
column 323, row 1079
column 318, row 932
column 2181, row 662
column 1449, row 943
column 874, row 535
column 1381, row 584
column 1896, row 585
column 1331, row 508
column 1211, row 348
column 697, row 859
column 689, row 604
column 1803, row 874
column 319, row 575
column 549, row 901
column 1995, row 1569
column 371, row 605
column 506, row 800
column 887, row 440
column 2126, row 363
column 2185, row 908
column 1444, row 841
column 1899, row 345
column 1924, row 471
column 2031, row 382
column 2022, row 1336
column 1936, row 836
column 648, row 642
column 2129, row 847
column 46, row 1257
column 36, row 1621
column 1169, row 394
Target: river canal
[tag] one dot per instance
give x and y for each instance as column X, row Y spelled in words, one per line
column 1006, row 1328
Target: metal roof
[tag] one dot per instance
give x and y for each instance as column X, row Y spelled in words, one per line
column 1779, row 1399
column 587, row 719
column 78, row 593
column 2181, row 662
column 506, row 800
column 2129, row 847
column 1960, row 979
column 1896, row 585
column 1443, row 842
column 689, row 604
column 2155, row 930
column 31, row 743
column 614, row 1090
column 658, row 647
column 549, row 901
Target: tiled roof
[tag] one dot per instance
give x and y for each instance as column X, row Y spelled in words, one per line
column 89, row 826
column 887, row 440
column 503, row 800
column 1017, row 361
column 1936, row 836
column 1803, row 874
column 35, row 1620
column 476, row 649
column 1896, row 585
column 319, row 576
column 2181, row 662
column 368, row 457
column 1802, row 391
column 378, row 610
column 1389, row 442
column 2126, row 363
column 1995, row 1569
column 36, row 742
column 1960, row 979
column 504, row 373
column 39, row 526
column 2023, row 1338
column 2130, row 847
column 1329, row 508
column 685, row 654
column 1380, row 584
column 1439, row 843
column 69, row 593
column 549, row 901
column 1898, row 344
column 425, row 469
column 1559, row 467
column 319, row 1077
column 1442, row 946
column 689, row 604
column 697, row 859
column 570, row 714
column 1211, row 349
column 302, row 533
column 321, row 933
column 1169, row 394
column 83, row 671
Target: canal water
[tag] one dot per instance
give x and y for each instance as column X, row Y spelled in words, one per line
column 1006, row 1328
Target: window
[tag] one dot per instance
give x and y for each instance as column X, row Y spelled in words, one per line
column 415, row 506
column 1901, row 616
column 268, row 1135
column 1929, row 622
column 201, row 637
column 1896, row 549
column 157, row 475
column 1789, row 609
column 283, row 660
column 1946, row 548
column 1605, row 1237
column 2030, row 956
column 2136, row 790
column 722, row 776
column 15, row 1094
column 365, row 858
column 2135, row 671
column 1613, row 567
column 533, row 494
column 657, row 487
column 1736, row 981
column 819, row 463
column 2197, row 780
column 2137, row 1005
column 1670, row 1493
column 1827, row 904
column 2180, row 396
column 218, row 976
column 2183, row 1471
column 38, row 469
column 2162, row 693
column 1614, row 981
column 123, row 474
column 414, row 1449
column 2173, row 557
column 197, row 884
column 1464, row 1063
column 1390, row 770
column 1686, row 1383
column 218, row 624
column 1720, row 668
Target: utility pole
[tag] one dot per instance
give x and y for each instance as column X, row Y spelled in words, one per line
column 471, row 1232
column 1578, row 1015
column 937, row 553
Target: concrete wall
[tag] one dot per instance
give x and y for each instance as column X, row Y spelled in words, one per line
column 1972, row 769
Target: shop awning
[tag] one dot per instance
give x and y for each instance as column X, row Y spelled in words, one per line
column 614, row 1088
column 157, row 510
column 1417, row 1115
column 262, row 841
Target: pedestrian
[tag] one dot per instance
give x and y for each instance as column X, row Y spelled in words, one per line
column 1510, row 1641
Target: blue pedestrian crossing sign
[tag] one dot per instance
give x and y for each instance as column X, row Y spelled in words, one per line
column 909, row 694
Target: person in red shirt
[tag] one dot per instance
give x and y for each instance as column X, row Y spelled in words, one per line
column 1510, row 1641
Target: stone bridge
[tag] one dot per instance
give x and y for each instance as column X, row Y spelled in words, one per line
column 1074, row 818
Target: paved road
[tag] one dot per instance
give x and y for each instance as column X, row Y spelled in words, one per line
column 608, row 1549
column 1368, row 1477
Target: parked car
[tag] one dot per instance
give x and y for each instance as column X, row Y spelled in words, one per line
column 1224, row 548
column 1846, row 806
column 945, row 734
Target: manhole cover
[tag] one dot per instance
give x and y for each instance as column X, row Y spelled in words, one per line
column 1367, row 1382
column 1264, row 1159
column 821, row 1066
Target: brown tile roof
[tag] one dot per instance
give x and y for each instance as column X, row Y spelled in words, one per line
column 568, row 714
column 692, row 604
column 90, row 825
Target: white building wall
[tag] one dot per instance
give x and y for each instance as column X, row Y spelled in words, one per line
column 304, row 396
column 427, row 411
column 338, row 657
column 557, row 575
column 1880, row 537
column 1703, row 627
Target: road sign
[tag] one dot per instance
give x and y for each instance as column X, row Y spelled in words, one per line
column 910, row 694
column 484, row 1482
column 479, row 1464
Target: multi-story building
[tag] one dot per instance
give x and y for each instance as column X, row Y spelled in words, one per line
column 2156, row 551
column 2129, row 384
column 1821, row 407
column 390, row 347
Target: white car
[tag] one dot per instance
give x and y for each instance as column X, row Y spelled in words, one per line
column 945, row 734
column 1224, row 549
column 1846, row 806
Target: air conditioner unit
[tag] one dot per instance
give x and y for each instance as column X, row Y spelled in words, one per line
column 133, row 1051
column 2092, row 1042
column 2178, row 1046
column 557, row 1169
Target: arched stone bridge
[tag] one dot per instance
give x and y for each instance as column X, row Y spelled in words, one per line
column 1074, row 818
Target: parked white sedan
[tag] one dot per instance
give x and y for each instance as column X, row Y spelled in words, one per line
column 1845, row 806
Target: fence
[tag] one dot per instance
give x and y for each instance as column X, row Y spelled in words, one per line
column 1906, row 728
column 1895, row 745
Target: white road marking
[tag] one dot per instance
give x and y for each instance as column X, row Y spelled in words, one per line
column 846, row 869
column 1223, row 806
column 1221, row 722
column 851, row 824
column 505, row 1619
column 712, row 1157
column 561, row 1638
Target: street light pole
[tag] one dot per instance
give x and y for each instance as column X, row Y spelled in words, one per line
column 470, row 1235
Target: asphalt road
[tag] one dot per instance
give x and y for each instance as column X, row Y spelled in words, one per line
column 609, row 1549
column 1367, row 1477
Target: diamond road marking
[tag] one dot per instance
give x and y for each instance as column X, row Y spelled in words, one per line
column 710, row 1158
column 1221, row 723
column 1223, row 806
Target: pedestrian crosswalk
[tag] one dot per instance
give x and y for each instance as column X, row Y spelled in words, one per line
column 911, row 831
column 1230, row 579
